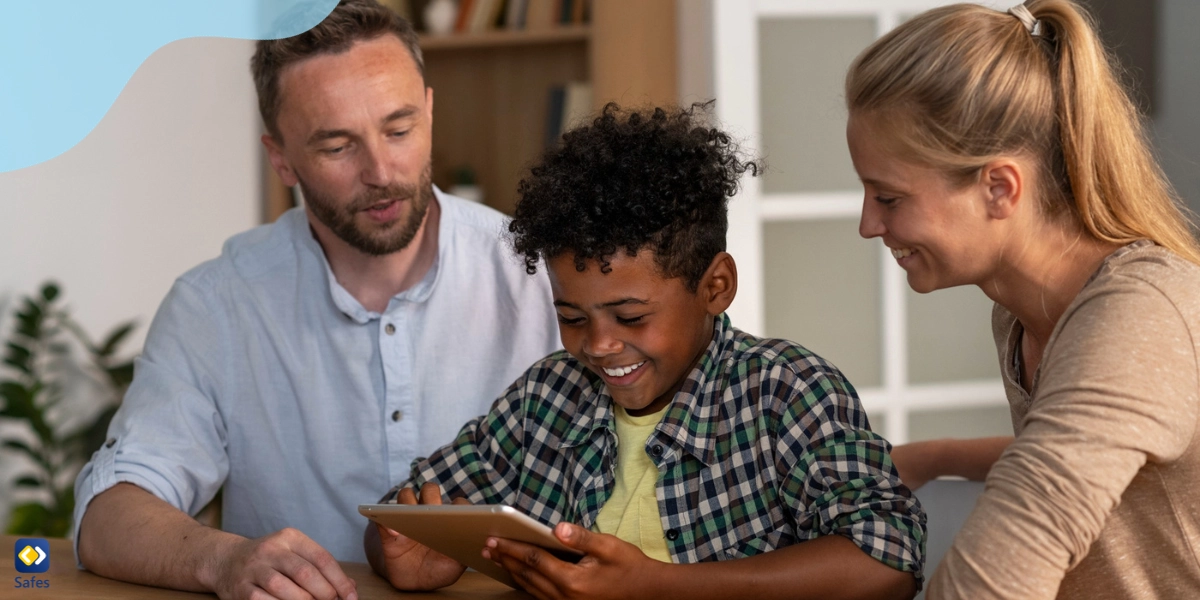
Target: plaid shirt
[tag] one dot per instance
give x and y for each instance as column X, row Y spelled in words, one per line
column 764, row 446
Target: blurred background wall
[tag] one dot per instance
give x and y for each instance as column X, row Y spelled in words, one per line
column 170, row 172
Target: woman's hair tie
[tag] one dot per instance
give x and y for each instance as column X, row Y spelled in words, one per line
column 1032, row 25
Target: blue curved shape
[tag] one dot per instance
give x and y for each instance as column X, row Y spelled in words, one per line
column 63, row 62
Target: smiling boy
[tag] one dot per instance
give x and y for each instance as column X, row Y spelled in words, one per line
column 684, row 457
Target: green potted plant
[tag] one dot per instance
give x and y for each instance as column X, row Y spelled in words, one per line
column 40, row 356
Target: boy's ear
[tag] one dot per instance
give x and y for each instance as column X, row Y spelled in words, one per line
column 718, row 286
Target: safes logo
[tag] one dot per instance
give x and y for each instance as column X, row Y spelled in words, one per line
column 31, row 555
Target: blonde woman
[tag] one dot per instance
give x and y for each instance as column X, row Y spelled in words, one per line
column 998, row 149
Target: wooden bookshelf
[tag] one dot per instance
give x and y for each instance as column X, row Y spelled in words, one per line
column 491, row 89
column 497, row 38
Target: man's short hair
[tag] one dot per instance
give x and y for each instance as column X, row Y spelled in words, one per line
column 351, row 21
column 657, row 178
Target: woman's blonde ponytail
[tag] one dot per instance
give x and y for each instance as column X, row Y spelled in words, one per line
column 961, row 85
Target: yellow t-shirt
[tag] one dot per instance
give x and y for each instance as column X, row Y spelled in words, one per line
column 631, row 512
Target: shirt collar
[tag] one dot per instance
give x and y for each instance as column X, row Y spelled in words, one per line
column 693, row 417
column 343, row 299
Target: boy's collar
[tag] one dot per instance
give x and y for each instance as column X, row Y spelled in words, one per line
column 693, row 417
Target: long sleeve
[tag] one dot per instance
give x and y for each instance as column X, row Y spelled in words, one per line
column 1117, row 393
column 838, row 475
column 168, row 437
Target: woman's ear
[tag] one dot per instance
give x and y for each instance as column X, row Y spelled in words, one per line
column 718, row 285
column 1005, row 187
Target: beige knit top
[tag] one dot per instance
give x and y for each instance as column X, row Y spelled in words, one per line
column 1099, row 496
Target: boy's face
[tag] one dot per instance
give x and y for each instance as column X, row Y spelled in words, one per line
column 640, row 332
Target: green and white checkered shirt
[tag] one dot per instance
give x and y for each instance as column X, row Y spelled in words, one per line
column 764, row 446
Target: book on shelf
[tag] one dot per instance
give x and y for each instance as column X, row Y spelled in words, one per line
column 464, row 14
column 540, row 14
column 479, row 16
column 495, row 18
column 577, row 106
column 401, row 7
column 483, row 15
column 477, row 19
column 554, row 114
column 514, row 14
column 569, row 105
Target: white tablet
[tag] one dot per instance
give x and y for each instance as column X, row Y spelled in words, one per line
column 460, row 531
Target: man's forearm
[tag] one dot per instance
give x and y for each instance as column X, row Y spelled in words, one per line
column 828, row 567
column 129, row 534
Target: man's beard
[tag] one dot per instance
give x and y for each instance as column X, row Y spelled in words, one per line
column 379, row 239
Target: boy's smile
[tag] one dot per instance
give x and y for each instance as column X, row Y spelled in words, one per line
column 640, row 332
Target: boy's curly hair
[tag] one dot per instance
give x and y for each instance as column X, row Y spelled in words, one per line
column 654, row 178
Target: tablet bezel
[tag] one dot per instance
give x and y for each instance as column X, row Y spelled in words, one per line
column 461, row 530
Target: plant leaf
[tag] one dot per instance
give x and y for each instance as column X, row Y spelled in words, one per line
column 18, row 400
column 28, row 482
column 30, row 308
column 59, row 520
column 50, row 291
column 29, row 320
column 28, row 519
column 21, row 403
column 97, row 432
column 18, row 357
column 121, row 375
column 114, row 339
column 25, row 449
column 66, row 503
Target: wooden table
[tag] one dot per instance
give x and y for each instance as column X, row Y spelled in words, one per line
column 68, row 582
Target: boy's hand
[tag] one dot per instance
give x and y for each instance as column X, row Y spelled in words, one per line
column 610, row 567
column 412, row 566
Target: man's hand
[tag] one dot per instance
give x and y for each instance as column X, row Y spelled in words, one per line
column 131, row 535
column 610, row 568
column 286, row 564
column 406, row 564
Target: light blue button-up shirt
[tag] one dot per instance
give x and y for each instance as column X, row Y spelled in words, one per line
column 263, row 374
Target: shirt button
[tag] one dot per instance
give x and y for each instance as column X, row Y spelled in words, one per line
column 672, row 534
column 397, row 415
column 656, row 450
column 389, row 329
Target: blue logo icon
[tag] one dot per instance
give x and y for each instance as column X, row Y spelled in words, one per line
column 31, row 555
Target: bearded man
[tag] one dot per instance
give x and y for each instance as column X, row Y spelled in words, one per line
column 307, row 367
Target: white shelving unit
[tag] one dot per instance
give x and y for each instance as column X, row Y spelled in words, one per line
column 737, row 71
